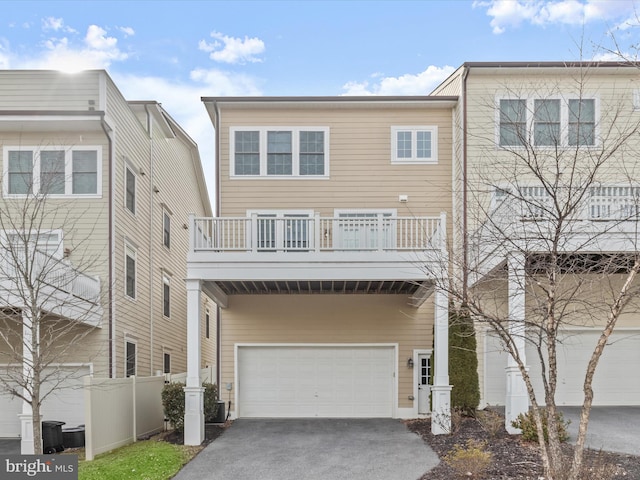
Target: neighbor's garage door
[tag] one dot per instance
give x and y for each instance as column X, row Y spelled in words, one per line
column 311, row 381
column 615, row 382
column 65, row 403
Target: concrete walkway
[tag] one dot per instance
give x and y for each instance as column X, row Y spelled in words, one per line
column 313, row 449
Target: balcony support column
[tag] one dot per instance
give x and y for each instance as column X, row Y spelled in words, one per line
column 441, row 390
column 517, row 399
column 193, row 392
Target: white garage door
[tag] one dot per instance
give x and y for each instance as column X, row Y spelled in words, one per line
column 65, row 403
column 310, row 381
column 614, row 382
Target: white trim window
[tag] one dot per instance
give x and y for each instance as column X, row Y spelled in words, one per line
column 166, row 228
column 56, row 171
column 365, row 229
column 130, row 182
column 166, row 362
column 547, row 122
column 130, row 272
column 414, row 144
column 130, row 357
column 279, row 152
column 166, row 295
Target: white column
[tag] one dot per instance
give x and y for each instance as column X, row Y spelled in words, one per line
column 27, row 446
column 193, row 392
column 517, row 399
column 441, row 390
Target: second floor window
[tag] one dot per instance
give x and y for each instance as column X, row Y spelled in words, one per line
column 130, row 190
column 279, row 152
column 414, row 144
column 55, row 171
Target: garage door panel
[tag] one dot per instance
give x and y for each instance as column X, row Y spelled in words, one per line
column 311, row 381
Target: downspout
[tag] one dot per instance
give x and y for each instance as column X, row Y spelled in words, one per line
column 111, row 262
column 216, row 127
column 151, row 262
column 465, row 236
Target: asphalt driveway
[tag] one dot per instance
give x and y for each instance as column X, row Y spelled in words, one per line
column 313, row 449
column 613, row 429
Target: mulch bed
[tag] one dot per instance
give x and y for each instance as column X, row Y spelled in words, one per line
column 211, row 432
column 512, row 458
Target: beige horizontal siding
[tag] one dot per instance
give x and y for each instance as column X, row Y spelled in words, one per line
column 340, row 319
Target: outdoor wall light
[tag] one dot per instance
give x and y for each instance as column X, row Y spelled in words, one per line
column 410, row 363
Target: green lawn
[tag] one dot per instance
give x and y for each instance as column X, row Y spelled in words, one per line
column 145, row 460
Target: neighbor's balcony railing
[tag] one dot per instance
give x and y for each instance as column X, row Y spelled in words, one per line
column 52, row 271
column 601, row 203
column 378, row 232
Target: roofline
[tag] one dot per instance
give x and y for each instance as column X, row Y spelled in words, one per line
column 51, row 113
column 557, row 64
column 332, row 99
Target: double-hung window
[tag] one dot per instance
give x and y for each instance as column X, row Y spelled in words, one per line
column 55, row 171
column 279, row 152
column 414, row 144
column 547, row 122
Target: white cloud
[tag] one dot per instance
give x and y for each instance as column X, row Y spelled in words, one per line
column 56, row 24
column 512, row 13
column 127, row 31
column 420, row 84
column 228, row 49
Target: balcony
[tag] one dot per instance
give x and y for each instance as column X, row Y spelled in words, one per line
column 63, row 290
column 292, row 253
column 606, row 220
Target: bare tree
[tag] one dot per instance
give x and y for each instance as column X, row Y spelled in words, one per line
column 553, row 213
column 50, row 310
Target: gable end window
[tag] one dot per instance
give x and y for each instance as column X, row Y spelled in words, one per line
column 54, row 171
column 282, row 152
column 414, row 144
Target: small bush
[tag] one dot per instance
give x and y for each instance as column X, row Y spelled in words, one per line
column 491, row 422
column 173, row 403
column 469, row 460
column 527, row 424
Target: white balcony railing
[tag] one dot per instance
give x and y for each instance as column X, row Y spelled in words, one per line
column 601, row 203
column 57, row 273
column 316, row 234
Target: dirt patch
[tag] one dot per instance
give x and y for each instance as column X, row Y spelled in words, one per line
column 514, row 459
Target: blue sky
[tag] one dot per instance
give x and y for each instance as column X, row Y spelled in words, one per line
column 177, row 51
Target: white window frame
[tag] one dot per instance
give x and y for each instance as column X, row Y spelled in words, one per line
column 131, row 251
column 129, row 168
column 338, row 234
column 134, row 342
column 564, row 120
column 414, row 159
column 68, row 174
column 166, row 215
column 166, row 283
column 295, row 153
column 166, row 353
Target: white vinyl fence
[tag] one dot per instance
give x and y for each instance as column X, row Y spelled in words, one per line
column 206, row 375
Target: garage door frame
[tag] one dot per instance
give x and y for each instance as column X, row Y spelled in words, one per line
column 394, row 394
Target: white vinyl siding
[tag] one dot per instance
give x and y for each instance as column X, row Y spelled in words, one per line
column 279, row 152
column 54, row 171
column 414, row 144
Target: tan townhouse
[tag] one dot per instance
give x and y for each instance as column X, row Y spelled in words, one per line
column 114, row 182
column 328, row 210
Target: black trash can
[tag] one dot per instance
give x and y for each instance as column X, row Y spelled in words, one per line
column 220, row 414
column 52, row 441
column 73, row 437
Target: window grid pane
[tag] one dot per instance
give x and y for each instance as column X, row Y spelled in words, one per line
column 582, row 122
column 85, row 172
column 52, row 172
column 513, row 122
column 247, row 153
column 311, row 153
column 424, row 144
column 403, row 146
column 20, row 172
column 279, row 153
column 546, row 129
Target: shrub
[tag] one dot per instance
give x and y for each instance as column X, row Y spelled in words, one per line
column 173, row 403
column 463, row 361
column 491, row 422
column 469, row 460
column 527, row 424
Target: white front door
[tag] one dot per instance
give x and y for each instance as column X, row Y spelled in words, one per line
column 424, row 381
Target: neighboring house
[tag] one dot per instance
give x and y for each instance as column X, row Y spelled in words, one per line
column 129, row 176
column 328, row 208
column 578, row 108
